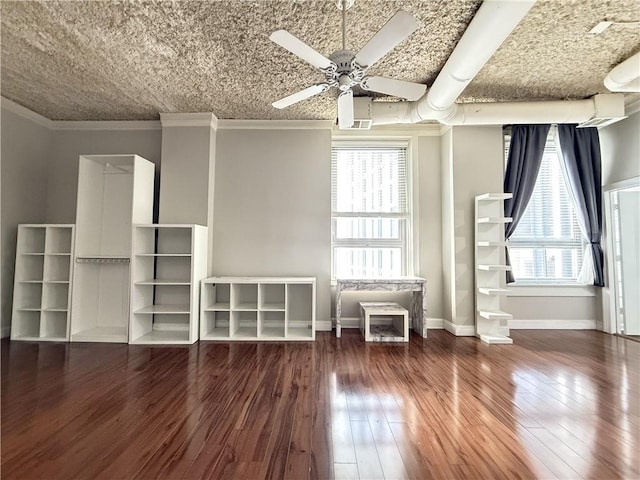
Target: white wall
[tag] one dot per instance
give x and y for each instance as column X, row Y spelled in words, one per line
column 472, row 165
column 272, row 206
column 620, row 147
column 68, row 145
column 25, row 167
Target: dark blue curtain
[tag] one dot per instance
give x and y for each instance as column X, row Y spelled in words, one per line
column 581, row 157
column 523, row 163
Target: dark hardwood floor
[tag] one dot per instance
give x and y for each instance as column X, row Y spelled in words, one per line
column 556, row 404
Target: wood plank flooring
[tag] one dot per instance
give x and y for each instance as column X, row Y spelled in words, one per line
column 556, row 404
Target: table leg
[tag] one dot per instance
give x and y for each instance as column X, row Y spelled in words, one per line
column 338, row 311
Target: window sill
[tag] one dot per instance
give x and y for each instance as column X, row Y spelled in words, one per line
column 551, row 290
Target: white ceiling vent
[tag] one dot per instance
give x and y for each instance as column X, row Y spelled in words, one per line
column 608, row 109
column 361, row 114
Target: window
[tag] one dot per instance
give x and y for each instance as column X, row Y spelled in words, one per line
column 547, row 244
column 370, row 215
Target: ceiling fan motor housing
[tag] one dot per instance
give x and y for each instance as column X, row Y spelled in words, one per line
column 347, row 73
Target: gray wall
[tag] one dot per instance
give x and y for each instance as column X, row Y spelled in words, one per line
column 620, row 146
column 272, row 206
column 477, row 169
column 67, row 147
column 26, row 160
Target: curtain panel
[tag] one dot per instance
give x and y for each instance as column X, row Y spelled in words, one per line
column 523, row 163
column 580, row 152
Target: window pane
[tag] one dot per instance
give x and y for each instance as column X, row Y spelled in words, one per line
column 550, row 263
column 369, row 180
column 547, row 243
column 368, row 228
column 360, row 262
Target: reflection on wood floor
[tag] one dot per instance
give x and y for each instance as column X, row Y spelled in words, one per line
column 556, row 404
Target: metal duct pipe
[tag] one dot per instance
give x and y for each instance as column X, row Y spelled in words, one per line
column 491, row 25
column 625, row 77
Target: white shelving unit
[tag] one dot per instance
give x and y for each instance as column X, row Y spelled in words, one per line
column 491, row 322
column 114, row 192
column 168, row 263
column 41, row 292
column 258, row 308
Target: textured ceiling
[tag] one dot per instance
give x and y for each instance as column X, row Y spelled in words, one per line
column 130, row 60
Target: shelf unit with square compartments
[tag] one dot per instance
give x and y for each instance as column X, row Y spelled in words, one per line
column 258, row 308
column 491, row 322
column 42, row 282
column 168, row 263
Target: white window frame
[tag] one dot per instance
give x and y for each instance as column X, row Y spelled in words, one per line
column 406, row 241
column 521, row 284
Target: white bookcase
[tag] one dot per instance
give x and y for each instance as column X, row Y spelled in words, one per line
column 114, row 192
column 168, row 263
column 41, row 292
column 258, row 308
column 491, row 322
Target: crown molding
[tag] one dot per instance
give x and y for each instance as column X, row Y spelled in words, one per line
column 105, row 125
column 632, row 107
column 402, row 130
column 274, row 124
column 24, row 112
column 189, row 120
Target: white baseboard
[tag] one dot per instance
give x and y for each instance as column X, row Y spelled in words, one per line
column 5, row 332
column 460, row 330
column 435, row 323
column 552, row 324
column 324, row 325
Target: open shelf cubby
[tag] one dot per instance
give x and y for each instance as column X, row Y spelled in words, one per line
column 41, row 294
column 168, row 263
column 258, row 308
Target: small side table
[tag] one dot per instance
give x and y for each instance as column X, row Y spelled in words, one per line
column 397, row 331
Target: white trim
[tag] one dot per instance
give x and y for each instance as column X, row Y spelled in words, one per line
column 349, row 322
column 632, row 107
column 460, row 330
column 189, row 120
column 105, row 125
column 24, row 112
column 403, row 130
column 552, row 324
column 435, row 324
column 324, row 325
column 622, row 184
column 551, row 290
column 609, row 291
column 274, row 124
column 5, row 332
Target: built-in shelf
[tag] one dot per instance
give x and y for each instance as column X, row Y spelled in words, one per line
column 163, row 309
column 493, row 291
column 494, row 267
column 41, row 295
column 491, row 322
column 161, row 281
column 495, row 220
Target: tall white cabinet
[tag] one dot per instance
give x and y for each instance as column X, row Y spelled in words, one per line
column 491, row 322
column 167, row 265
column 114, row 192
column 41, row 292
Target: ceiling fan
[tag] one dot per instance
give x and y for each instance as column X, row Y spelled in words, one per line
column 345, row 69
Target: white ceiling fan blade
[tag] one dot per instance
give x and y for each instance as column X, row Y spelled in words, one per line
column 299, row 48
column 399, row 27
column 397, row 88
column 301, row 95
column 345, row 109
